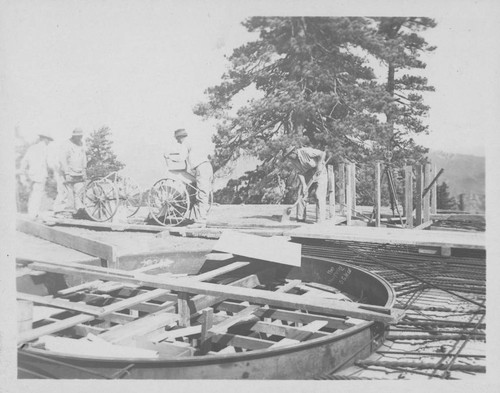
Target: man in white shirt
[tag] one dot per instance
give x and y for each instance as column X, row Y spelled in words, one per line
column 311, row 169
column 71, row 175
column 198, row 163
column 34, row 173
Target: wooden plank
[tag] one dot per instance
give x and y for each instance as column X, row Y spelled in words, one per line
column 183, row 309
column 327, row 306
column 240, row 317
column 80, row 243
column 76, row 288
column 302, row 333
column 348, row 194
column 104, row 225
column 219, row 256
column 139, row 327
column 82, row 318
column 424, row 225
column 419, row 189
column 471, row 240
column 353, row 186
column 377, row 194
column 290, row 332
column 426, row 203
column 241, row 341
column 59, row 303
column 331, row 190
column 291, row 316
column 207, row 323
column 434, row 192
column 409, row 196
column 289, row 286
column 342, row 200
column 222, row 270
column 275, row 250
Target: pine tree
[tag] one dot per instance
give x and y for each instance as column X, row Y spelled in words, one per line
column 444, row 200
column 316, row 87
column 101, row 158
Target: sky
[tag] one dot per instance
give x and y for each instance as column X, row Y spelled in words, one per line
column 139, row 67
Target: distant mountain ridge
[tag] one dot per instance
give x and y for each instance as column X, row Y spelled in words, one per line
column 464, row 174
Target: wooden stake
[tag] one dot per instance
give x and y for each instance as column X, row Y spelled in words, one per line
column 331, row 190
column 184, row 311
column 427, row 198
column 348, row 193
column 419, row 190
column 342, row 188
column 434, row 192
column 377, row 194
column 353, row 186
column 207, row 323
column 409, row 196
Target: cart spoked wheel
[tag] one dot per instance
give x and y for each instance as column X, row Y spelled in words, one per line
column 100, row 200
column 130, row 195
column 168, row 202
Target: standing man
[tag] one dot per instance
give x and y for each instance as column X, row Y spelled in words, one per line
column 71, row 175
column 34, row 173
column 198, row 163
column 311, row 169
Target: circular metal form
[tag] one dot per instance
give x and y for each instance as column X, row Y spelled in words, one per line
column 168, row 202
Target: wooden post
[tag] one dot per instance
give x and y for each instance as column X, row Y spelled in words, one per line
column 377, row 194
column 409, row 196
column 353, row 186
column 183, row 309
column 342, row 188
column 206, row 325
column 331, row 190
column 427, row 198
column 434, row 192
column 348, row 194
column 419, row 189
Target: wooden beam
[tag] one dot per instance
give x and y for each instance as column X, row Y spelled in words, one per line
column 291, row 316
column 60, row 303
column 331, row 190
column 419, row 189
column 327, row 306
column 377, row 194
column 348, row 194
column 222, row 270
column 240, row 317
column 434, row 191
column 275, row 249
column 426, row 202
column 206, row 325
column 302, row 333
column 241, row 341
column 291, row 332
column 424, row 225
column 342, row 200
column 139, row 327
column 409, row 196
column 183, row 309
column 353, row 185
column 80, row 243
column 82, row 318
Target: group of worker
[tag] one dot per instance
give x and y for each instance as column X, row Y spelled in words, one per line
column 69, row 166
column 70, row 172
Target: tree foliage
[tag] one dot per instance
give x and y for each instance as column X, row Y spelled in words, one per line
column 101, row 158
column 316, row 85
column 444, row 200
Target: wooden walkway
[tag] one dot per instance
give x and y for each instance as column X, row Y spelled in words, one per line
column 327, row 231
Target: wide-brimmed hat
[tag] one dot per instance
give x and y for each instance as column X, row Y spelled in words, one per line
column 180, row 133
column 77, row 132
column 288, row 151
column 45, row 135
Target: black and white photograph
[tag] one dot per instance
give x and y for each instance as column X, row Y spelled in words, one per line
column 203, row 193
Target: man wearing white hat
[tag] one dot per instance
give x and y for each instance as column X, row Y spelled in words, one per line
column 34, row 172
column 71, row 175
column 198, row 163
